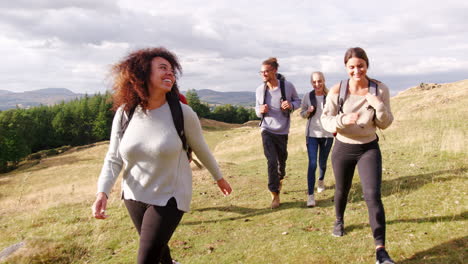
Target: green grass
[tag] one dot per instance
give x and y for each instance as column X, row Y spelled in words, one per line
column 424, row 194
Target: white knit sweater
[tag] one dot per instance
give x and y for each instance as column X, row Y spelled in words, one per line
column 155, row 166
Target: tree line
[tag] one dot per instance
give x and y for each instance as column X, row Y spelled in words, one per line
column 225, row 113
column 79, row 122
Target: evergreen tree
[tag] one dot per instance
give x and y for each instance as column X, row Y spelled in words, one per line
column 101, row 125
column 194, row 102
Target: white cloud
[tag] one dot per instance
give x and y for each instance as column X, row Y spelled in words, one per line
column 222, row 43
column 434, row 65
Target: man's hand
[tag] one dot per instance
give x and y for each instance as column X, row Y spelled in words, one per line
column 285, row 105
column 264, row 109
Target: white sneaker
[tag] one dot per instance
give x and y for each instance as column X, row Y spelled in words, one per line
column 320, row 186
column 310, row 201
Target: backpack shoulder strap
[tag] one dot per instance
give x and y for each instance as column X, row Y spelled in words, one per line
column 374, row 91
column 281, row 79
column 125, row 120
column 373, row 87
column 313, row 102
column 342, row 94
column 283, row 92
column 178, row 119
column 265, row 90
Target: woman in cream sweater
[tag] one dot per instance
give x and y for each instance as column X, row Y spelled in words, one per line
column 355, row 123
column 157, row 179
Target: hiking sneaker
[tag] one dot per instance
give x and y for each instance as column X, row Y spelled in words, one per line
column 310, row 200
column 320, row 186
column 275, row 200
column 382, row 257
column 338, row 229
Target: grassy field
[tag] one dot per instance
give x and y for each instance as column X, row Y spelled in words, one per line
column 424, row 191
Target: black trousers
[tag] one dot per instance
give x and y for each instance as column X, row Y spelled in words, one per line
column 155, row 225
column 275, row 148
column 368, row 159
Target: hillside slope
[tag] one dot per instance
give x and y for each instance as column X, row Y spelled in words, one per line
column 424, row 193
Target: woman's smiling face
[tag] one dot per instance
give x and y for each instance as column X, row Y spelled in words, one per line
column 162, row 75
column 356, row 68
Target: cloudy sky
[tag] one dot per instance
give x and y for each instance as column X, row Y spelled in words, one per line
column 221, row 44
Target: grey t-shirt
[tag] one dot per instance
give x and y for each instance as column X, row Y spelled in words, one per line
column 276, row 121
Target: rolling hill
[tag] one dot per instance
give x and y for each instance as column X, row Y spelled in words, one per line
column 425, row 179
column 220, row 98
column 48, row 96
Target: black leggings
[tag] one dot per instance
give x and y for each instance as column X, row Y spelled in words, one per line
column 155, row 225
column 369, row 161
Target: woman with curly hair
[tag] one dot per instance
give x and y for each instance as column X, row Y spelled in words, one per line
column 157, row 178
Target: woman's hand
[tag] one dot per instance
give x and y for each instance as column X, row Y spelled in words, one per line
column 350, row 119
column 311, row 109
column 264, row 109
column 373, row 100
column 99, row 206
column 224, row 186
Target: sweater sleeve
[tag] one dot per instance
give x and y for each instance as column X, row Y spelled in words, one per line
column 113, row 161
column 330, row 118
column 295, row 100
column 198, row 144
column 258, row 96
column 383, row 113
column 305, row 103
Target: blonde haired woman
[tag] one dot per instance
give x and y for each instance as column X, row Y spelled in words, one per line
column 318, row 140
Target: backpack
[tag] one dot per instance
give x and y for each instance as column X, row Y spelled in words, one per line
column 281, row 79
column 173, row 99
column 313, row 102
column 344, row 84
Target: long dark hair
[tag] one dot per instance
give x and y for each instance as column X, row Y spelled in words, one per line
column 356, row 52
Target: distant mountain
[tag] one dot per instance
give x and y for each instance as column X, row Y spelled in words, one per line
column 51, row 96
column 233, row 98
column 48, row 96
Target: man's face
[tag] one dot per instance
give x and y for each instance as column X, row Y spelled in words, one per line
column 268, row 73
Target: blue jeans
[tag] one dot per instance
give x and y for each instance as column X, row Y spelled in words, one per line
column 322, row 146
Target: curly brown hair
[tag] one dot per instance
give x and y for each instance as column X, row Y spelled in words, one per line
column 132, row 75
